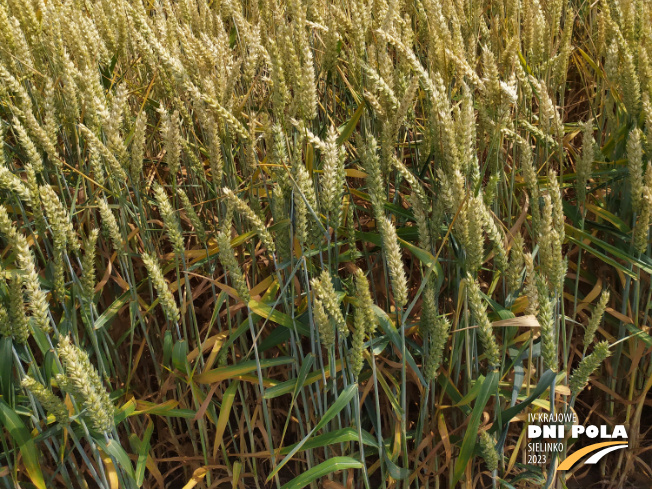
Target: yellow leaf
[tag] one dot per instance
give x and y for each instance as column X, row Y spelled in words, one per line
column 197, row 476
column 111, row 473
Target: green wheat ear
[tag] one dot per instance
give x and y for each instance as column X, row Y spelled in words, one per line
column 580, row 376
column 488, row 451
column 596, row 318
column 51, row 403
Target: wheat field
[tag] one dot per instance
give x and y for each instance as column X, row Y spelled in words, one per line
column 328, row 244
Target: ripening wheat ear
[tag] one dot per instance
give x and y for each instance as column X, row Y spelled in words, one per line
column 643, row 220
column 324, row 324
column 110, row 225
column 88, row 265
column 158, row 281
column 9, row 181
column 364, row 320
column 394, row 259
column 251, row 216
column 33, row 155
column 497, row 239
column 546, row 319
column 62, row 228
column 170, row 220
column 472, row 233
column 192, row 216
column 231, row 265
column 16, row 319
column 435, row 330
column 6, row 328
column 368, row 151
column 325, row 291
column 138, row 147
column 485, row 330
column 364, row 301
column 114, row 168
column 585, row 162
column 357, row 342
column 171, row 140
column 83, row 382
column 37, row 298
column 635, row 168
column 530, row 288
column 333, row 179
column 516, row 263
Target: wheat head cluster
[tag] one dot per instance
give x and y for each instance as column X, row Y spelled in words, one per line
column 339, row 244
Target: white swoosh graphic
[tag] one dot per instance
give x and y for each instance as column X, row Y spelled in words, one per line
column 595, row 458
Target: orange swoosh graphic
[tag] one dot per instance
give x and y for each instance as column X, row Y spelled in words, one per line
column 570, row 461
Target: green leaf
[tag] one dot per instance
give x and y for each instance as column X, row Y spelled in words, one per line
column 338, row 436
column 393, row 334
column 167, row 348
column 111, row 311
column 617, row 252
column 124, row 411
column 426, row 258
column 344, row 399
column 472, row 394
column 289, row 385
column 166, row 409
column 332, row 411
column 277, row 316
column 608, row 216
column 6, row 365
column 545, row 382
column 277, row 337
column 324, row 468
column 114, row 449
column 180, row 356
column 142, row 450
column 231, row 371
column 601, row 256
column 470, row 436
column 303, row 373
column 225, row 412
column 21, row 435
column 640, row 334
column 347, row 130
column 396, row 472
